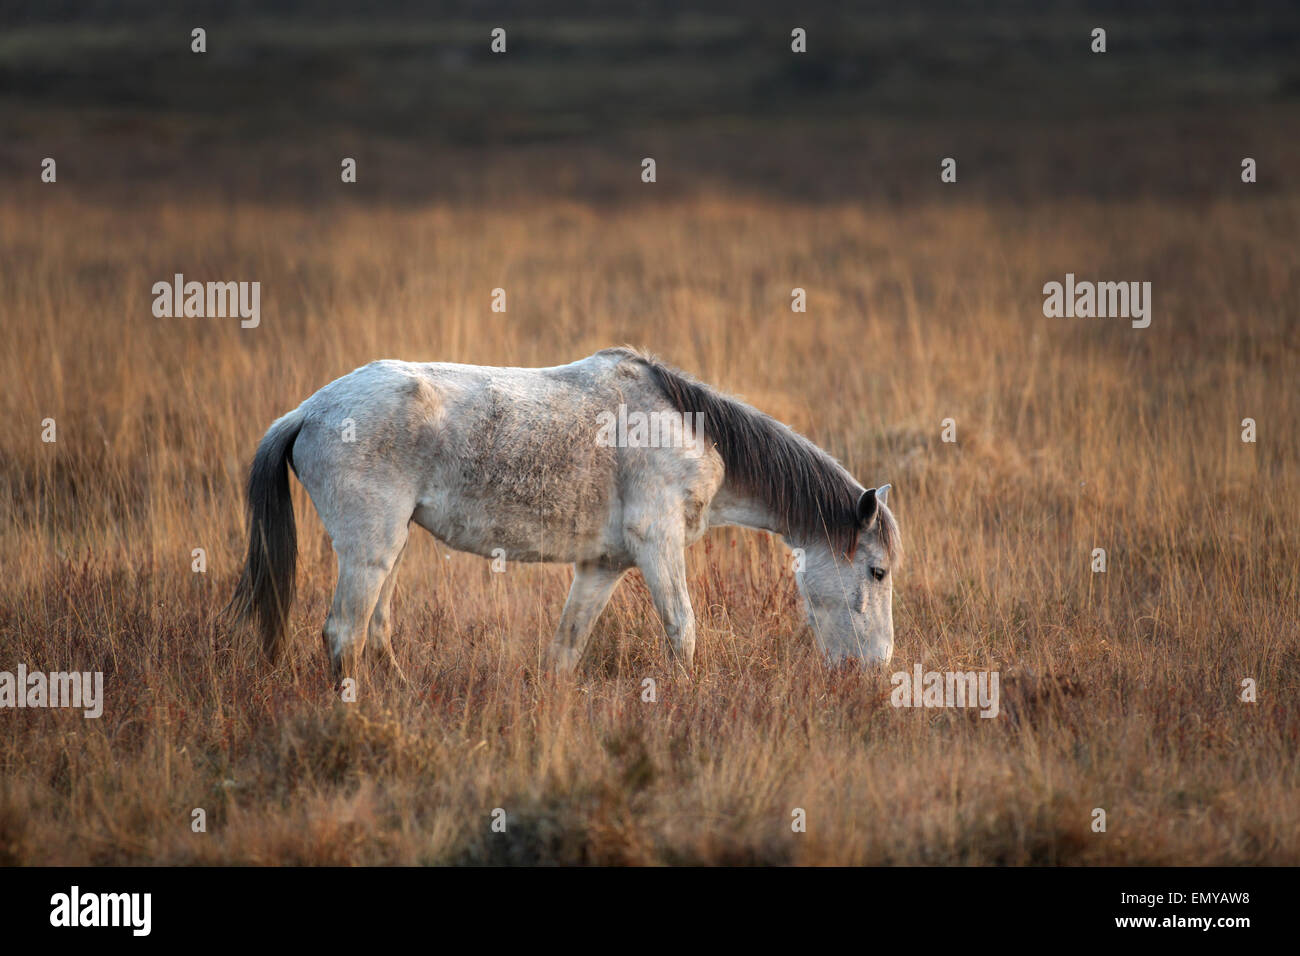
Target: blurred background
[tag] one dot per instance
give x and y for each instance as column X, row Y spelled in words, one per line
column 713, row 93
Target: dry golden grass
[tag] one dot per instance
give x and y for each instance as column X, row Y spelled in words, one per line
column 1119, row 690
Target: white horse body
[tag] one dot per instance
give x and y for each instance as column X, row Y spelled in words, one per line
column 519, row 463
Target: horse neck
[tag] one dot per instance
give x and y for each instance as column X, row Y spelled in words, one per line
column 734, row 507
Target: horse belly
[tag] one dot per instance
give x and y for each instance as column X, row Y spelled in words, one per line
column 515, row 468
column 503, row 529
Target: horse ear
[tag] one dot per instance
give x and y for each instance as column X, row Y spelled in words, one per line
column 882, row 494
column 867, row 508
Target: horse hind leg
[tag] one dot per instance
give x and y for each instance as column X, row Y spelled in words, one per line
column 367, row 554
column 379, row 638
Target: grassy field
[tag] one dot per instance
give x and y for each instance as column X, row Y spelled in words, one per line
column 1120, row 690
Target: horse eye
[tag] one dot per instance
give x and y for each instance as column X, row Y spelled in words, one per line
column 878, row 573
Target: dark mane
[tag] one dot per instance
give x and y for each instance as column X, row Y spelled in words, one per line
column 809, row 492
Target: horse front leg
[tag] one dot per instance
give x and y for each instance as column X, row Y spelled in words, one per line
column 593, row 584
column 664, row 568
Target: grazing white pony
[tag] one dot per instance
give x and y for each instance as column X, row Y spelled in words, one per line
column 611, row 462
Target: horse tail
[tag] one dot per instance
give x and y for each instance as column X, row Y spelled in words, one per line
column 266, row 587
